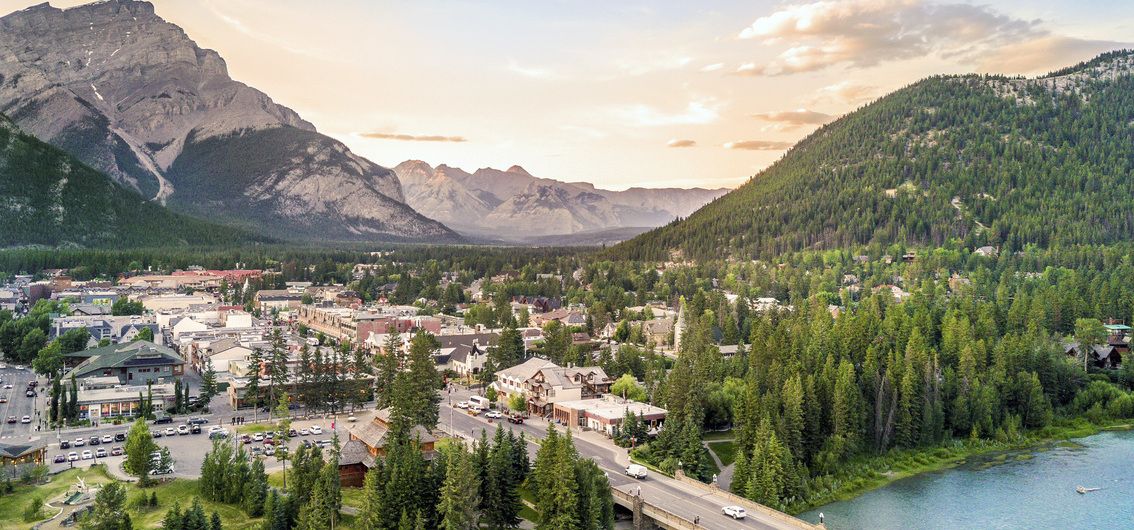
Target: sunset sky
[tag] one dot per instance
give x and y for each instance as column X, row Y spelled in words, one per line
column 618, row 93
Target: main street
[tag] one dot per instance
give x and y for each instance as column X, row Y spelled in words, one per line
column 662, row 491
column 18, row 405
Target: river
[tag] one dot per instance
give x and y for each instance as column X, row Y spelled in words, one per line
column 1021, row 489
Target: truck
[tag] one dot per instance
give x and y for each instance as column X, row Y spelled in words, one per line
column 479, row 403
column 637, row 471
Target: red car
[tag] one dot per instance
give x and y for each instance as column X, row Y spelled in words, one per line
column 3, row 400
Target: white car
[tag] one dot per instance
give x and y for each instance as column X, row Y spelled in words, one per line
column 493, row 414
column 101, row 453
column 182, row 430
column 25, row 419
column 462, row 404
column 87, row 455
column 315, row 429
column 107, row 439
column 79, row 442
column 736, row 512
column 637, row 471
column 72, row 456
column 165, row 471
column 351, row 419
column 169, row 431
column 258, row 437
column 304, row 432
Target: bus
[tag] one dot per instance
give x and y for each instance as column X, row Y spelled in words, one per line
column 479, row 403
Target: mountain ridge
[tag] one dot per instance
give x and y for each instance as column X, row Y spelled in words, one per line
column 132, row 95
column 486, row 201
column 985, row 160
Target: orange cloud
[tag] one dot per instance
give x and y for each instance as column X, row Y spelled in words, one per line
column 794, row 118
column 413, row 138
column 680, row 143
column 758, row 145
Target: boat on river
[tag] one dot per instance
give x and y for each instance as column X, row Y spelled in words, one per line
column 1083, row 491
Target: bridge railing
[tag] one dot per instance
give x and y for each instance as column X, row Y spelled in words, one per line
column 748, row 504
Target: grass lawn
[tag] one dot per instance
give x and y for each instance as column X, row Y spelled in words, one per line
column 12, row 506
column 253, row 428
column 717, row 435
column 726, row 451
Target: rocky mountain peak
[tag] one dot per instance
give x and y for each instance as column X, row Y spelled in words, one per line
column 134, row 96
column 517, row 169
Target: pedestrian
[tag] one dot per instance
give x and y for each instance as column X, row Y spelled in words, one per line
column 697, row 520
column 820, row 517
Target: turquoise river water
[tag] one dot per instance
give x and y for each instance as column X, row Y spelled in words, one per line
column 1032, row 489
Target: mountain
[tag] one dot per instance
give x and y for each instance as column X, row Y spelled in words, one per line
column 515, row 206
column 986, row 160
column 49, row 198
column 133, row 96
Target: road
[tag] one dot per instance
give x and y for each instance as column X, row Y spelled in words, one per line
column 659, row 490
column 18, row 404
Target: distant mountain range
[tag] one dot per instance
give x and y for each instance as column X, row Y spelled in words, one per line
column 47, row 198
column 133, row 96
column 513, row 205
column 982, row 160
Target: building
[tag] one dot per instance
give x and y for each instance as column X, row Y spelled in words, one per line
column 658, row 331
column 606, row 414
column 510, row 381
column 554, row 384
column 277, row 299
column 16, row 455
column 98, row 401
column 138, row 362
column 373, row 437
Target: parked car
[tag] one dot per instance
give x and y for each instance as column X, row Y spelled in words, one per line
column 11, row 419
column 106, row 438
column 95, row 440
column 72, row 456
column 351, row 419
column 155, row 433
column 462, row 404
column 197, row 421
column 257, row 451
column 479, row 403
column 516, row 418
column 101, row 452
column 182, row 430
column 292, row 433
column 165, row 471
column 3, row 400
column 79, row 442
column 245, row 438
column 64, row 444
column 87, row 455
column 59, row 458
column 169, row 431
column 213, row 435
column 637, row 471
column 120, row 437
column 195, row 429
column 736, row 512
column 30, row 393
column 25, row 419
column 258, row 437
column 315, row 429
column 304, row 432
column 269, row 441
column 308, row 444
column 117, row 451
column 493, row 414
column 166, row 418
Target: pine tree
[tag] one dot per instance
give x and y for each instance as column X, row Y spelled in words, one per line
column 255, row 490
column 460, row 492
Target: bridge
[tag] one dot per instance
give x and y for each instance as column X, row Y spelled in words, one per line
column 673, row 503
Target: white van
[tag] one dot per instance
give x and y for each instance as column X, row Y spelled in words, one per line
column 479, row 403
column 637, row 471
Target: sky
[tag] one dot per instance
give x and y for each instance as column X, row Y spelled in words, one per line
column 652, row 94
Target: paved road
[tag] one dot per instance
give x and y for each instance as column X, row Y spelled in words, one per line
column 18, row 404
column 659, row 490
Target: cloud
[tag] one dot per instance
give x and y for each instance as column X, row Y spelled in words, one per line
column 697, row 112
column 794, row 118
column 413, row 138
column 712, row 67
column 675, row 142
column 758, row 145
column 532, row 72
column 844, row 92
column 1044, row 54
column 864, row 33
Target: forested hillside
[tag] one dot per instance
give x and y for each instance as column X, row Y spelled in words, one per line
column 984, row 159
column 49, row 198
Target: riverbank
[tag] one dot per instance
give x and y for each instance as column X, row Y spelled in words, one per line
column 867, row 473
